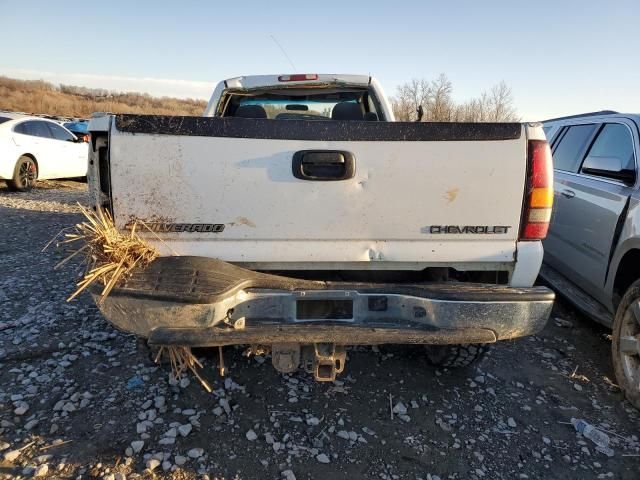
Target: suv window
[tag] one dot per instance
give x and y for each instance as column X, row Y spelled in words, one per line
column 567, row 155
column 60, row 133
column 551, row 132
column 613, row 142
column 34, row 128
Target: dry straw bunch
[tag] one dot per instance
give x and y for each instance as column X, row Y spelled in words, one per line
column 182, row 360
column 111, row 256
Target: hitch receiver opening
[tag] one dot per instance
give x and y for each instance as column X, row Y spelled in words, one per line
column 323, row 360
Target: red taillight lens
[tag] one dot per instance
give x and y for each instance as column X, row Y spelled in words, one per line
column 535, row 231
column 539, row 195
column 298, row 77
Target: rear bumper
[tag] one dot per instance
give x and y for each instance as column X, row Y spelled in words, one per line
column 201, row 302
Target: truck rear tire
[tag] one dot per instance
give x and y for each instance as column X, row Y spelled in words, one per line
column 456, row 356
column 626, row 327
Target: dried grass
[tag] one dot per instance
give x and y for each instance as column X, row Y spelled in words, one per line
column 110, row 255
column 41, row 97
column 182, row 360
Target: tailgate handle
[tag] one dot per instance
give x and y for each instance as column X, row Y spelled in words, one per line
column 323, row 165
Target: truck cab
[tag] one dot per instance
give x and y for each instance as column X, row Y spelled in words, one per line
column 301, row 97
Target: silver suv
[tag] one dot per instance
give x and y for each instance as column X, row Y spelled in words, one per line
column 592, row 251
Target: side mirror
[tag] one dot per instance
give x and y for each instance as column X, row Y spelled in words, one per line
column 609, row 167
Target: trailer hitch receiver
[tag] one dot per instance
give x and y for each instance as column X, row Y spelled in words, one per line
column 324, row 360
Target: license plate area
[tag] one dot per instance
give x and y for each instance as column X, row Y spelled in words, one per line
column 324, row 309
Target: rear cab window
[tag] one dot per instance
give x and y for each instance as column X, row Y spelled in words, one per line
column 290, row 104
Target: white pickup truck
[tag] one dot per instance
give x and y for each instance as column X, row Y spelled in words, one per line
column 298, row 217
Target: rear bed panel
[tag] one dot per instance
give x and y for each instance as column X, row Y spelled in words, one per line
column 413, row 177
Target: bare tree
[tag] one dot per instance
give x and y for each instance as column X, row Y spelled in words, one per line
column 440, row 104
column 501, row 104
column 436, row 98
column 408, row 97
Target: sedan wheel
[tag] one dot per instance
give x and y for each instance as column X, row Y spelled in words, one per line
column 626, row 344
column 24, row 175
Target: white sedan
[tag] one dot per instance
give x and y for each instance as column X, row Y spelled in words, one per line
column 33, row 148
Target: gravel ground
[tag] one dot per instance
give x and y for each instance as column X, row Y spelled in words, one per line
column 79, row 399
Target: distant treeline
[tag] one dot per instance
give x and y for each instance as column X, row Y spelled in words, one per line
column 436, row 99
column 39, row 97
column 434, row 96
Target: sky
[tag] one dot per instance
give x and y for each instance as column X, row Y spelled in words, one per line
column 559, row 57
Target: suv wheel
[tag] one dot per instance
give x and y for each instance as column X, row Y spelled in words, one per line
column 454, row 356
column 626, row 344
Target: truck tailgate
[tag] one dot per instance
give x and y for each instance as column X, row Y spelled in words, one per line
column 420, row 193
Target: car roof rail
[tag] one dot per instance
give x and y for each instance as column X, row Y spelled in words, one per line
column 580, row 115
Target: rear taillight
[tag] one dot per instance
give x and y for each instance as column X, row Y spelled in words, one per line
column 298, row 77
column 539, row 195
